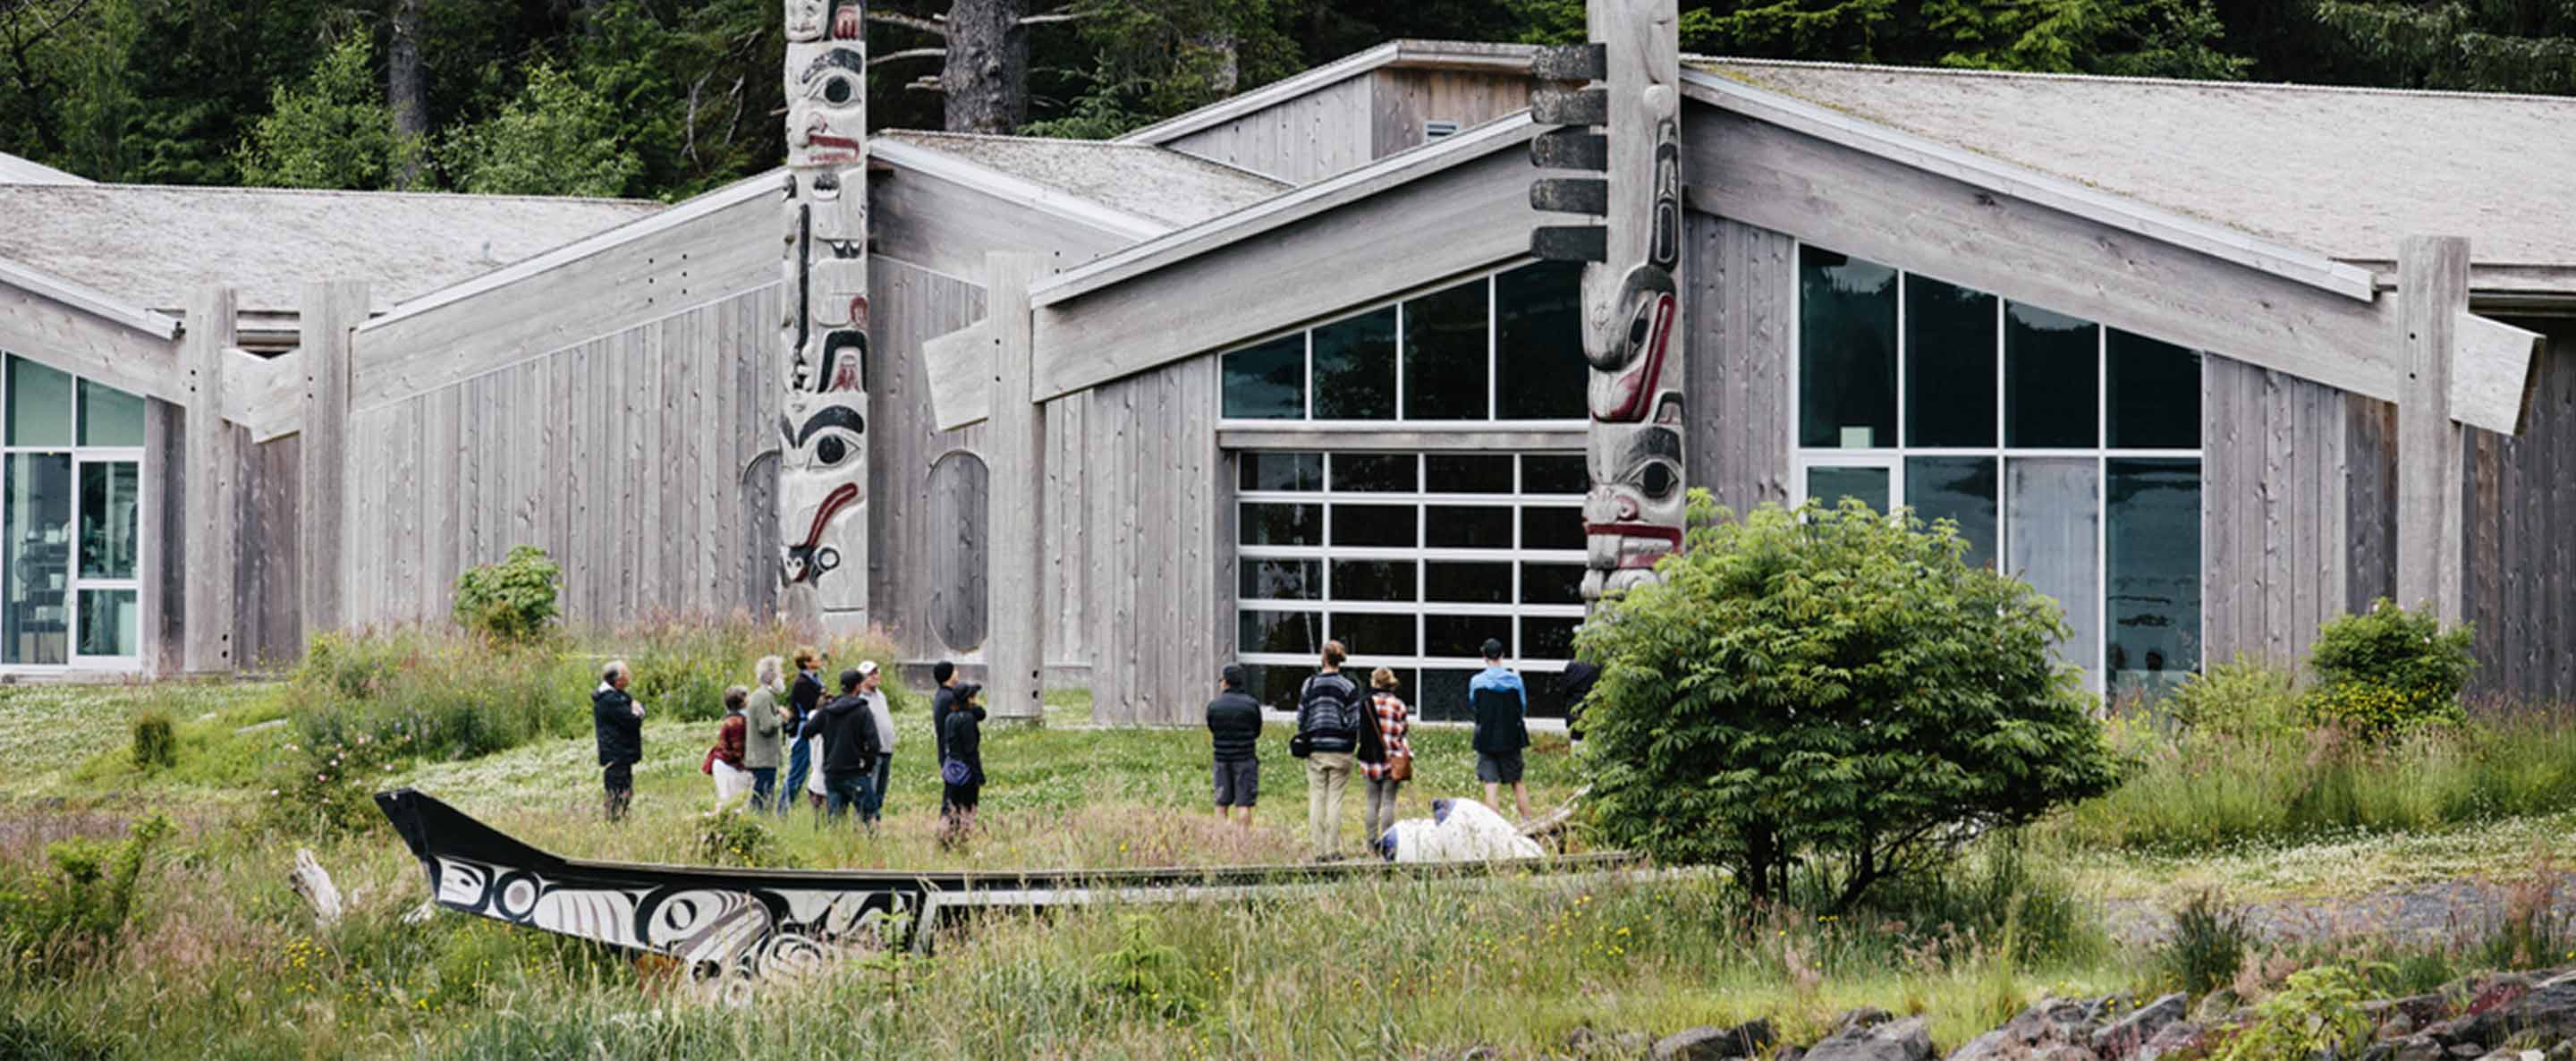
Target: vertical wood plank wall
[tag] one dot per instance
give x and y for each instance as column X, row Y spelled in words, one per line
column 1402, row 100
column 624, row 457
column 913, row 563
column 2521, row 567
column 268, row 605
column 2370, row 505
column 2274, row 541
column 1299, row 141
column 1743, row 291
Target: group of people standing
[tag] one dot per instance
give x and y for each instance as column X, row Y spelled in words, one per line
column 1340, row 732
column 838, row 752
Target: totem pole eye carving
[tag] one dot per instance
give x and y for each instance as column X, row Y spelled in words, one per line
column 822, row 470
column 1632, row 337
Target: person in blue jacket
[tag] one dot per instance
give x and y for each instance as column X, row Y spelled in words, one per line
column 1501, row 705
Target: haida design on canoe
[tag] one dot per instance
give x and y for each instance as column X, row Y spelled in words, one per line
column 725, row 920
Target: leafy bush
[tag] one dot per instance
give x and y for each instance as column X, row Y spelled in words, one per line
column 2244, row 698
column 156, row 745
column 1831, row 689
column 733, row 836
column 2207, row 946
column 2317, row 1013
column 1150, row 974
column 2389, row 671
column 509, row 601
column 49, row 925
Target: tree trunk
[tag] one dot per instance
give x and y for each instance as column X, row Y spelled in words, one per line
column 406, row 92
column 987, row 76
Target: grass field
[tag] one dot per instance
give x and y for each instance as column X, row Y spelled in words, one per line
column 221, row 960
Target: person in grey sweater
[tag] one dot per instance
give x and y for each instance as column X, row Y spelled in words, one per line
column 768, row 722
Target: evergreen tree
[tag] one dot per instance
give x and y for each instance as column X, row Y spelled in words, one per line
column 556, row 138
column 1157, row 58
column 2485, row 45
column 331, row 131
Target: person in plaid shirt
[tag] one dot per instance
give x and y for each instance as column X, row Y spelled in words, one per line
column 1384, row 778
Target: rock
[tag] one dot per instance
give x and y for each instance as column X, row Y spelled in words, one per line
column 2419, row 1009
column 2181, row 1037
column 2415, row 1048
column 2398, row 1026
column 2214, row 1007
column 1904, row 1040
column 2514, row 1055
column 2123, row 1037
column 1865, row 1017
column 1583, row 1041
column 1633, row 1044
column 2066, row 1052
column 2468, row 1051
column 1716, row 1044
column 2050, row 1022
column 1790, row 1053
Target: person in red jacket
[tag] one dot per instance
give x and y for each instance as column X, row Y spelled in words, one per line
column 725, row 760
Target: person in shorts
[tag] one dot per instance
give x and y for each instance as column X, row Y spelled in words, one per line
column 1234, row 727
column 1502, row 728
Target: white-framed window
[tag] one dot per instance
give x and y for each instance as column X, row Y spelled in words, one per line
column 1411, row 561
column 71, row 517
column 1505, row 346
column 2068, row 453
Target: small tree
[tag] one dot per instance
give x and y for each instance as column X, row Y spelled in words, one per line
column 556, row 138
column 2389, row 671
column 510, row 600
column 1834, row 690
column 332, row 131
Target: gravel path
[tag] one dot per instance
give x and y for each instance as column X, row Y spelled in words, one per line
column 2423, row 913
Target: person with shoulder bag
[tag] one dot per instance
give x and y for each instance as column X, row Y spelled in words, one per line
column 961, row 773
column 1394, row 765
column 1328, row 716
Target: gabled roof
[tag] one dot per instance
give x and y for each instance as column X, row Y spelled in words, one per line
column 1136, row 188
column 1400, row 54
column 15, row 170
column 2345, row 173
column 151, row 245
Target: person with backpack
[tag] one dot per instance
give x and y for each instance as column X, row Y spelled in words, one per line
column 804, row 697
column 1234, row 729
column 1501, row 705
column 849, row 733
column 1395, row 766
column 961, row 772
column 1328, row 717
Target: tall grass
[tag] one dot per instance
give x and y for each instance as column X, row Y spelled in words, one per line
column 2214, row 789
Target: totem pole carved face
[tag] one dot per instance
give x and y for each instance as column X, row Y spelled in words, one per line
column 1633, row 516
column 805, row 19
column 1629, row 369
column 827, row 110
column 822, row 475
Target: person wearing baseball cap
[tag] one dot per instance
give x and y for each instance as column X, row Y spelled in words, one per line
column 1502, row 728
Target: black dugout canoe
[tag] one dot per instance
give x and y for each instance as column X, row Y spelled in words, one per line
column 743, row 920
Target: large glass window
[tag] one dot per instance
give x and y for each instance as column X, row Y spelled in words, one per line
column 1411, row 561
column 2065, row 452
column 1507, row 346
column 71, row 518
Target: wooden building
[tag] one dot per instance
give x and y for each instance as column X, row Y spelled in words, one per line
column 1282, row 369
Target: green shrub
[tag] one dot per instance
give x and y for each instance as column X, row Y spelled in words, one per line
column 156, row 745
column 2243, row 698
column 733, row 836
column 1831, row 689
column 2317, row 1013
column 2207, row 946
column 1149, row 974
column 2389, row 671
column 511, row 600
column 48, row 925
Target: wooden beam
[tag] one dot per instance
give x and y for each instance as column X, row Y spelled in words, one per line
column 1410, row 235
column 1015, row 455
column 945, row 226
column 960, row 366
column 212, row 505
column 164, row 483
column 330, row 311
column 41, row 328
column 2491, row 374
column 1484, row 437
column 2433, row 289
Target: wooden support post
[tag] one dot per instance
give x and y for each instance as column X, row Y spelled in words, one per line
column 165, row 477
column 330, row 310
column 1016, row 458
column 2433, row 289
column 207, row 633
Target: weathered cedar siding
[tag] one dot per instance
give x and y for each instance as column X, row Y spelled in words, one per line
column 1154, row 509
column 2370, row 505
column 622, row 456
column 268, row 623
column 1299, row 141
column 915, row 564
column 1405, row 99
column 2274, row 547
column 2521, row 568
column 1743, row 290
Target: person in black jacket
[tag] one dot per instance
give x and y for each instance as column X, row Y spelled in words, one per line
column 1573, row 687
column 618, row 723
column 942, row 699
column 849, row 731
column 1328, row 716
column 1234, row 727
column 961, row 769
column 804, row 697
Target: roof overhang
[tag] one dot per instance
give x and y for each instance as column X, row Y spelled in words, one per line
column 90, row 300
column 1401, row 54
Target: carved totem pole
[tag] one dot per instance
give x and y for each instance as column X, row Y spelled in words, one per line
column 823, row 453
column 1632, row 327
